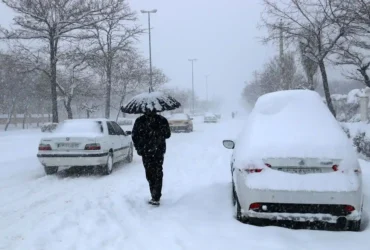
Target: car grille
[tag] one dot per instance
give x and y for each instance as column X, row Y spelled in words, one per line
column 335, row 210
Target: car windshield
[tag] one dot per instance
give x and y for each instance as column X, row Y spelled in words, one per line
column 80, row 126
column 178, row 117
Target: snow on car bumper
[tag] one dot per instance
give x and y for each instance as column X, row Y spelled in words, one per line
column 67, row 160
column 300, row 206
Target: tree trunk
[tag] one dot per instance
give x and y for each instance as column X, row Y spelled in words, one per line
column 326, row 87
column 365, row 76
column 120, row 104
column 67, row 105
column 24, row 120
column 10, row 115
column 108, row 90
column 53, row 80
column 88, row 113
column 310, row 82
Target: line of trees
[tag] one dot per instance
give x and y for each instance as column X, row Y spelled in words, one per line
column 322, row 31
column 71, row 53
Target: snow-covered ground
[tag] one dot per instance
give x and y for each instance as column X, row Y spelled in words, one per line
column 68, row 211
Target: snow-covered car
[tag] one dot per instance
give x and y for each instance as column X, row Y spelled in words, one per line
column 293, row 163
column 85, row 142
column 124, row 122
column 210, row 117
column 181, row 122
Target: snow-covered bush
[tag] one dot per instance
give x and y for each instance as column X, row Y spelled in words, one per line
column 346, row 130
column 347, row 106
column 362, row 143
column 359, row 133
column 48, row 127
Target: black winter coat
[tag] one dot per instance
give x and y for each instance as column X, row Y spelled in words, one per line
column 149, row 134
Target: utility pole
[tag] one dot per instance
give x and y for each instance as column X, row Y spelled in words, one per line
column 281, row 53
column 192, row 82
column 150, row 49
column 207, row 90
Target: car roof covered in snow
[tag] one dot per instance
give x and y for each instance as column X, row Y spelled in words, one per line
column 294, row 123
column 87, row 120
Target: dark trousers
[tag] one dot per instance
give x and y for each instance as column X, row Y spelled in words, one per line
column 153, row 165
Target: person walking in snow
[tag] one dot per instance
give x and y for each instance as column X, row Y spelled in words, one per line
column 149, row 136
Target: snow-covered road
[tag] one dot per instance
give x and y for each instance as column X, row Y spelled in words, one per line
column 68, row 211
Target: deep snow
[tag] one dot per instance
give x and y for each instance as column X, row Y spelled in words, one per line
column 294, row 123
column 68, row 211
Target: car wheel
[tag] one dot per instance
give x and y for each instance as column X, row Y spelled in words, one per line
column 51, row 170
column 130, row 155
column 108, row 168
column 354, row 226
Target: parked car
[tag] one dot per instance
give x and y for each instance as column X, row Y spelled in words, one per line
column 181, row 122
column 210, row 117
column 48, row 127
column 294, row 165
column 125, row 122
column 85, row 142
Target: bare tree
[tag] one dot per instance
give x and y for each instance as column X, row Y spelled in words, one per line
column 309, row 66
column 75, row 77
column 319, row 24
column 115, row 34
column 355, row 53
column 268, row 79
column 17, row 86
column 128, row 74
column 53, row 21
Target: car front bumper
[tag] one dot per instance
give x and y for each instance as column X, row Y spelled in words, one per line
column 68, row 160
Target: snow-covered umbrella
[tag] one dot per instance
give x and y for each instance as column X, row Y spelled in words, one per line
column 152, row 101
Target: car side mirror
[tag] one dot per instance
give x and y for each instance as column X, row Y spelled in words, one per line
column 229, row 144
column 128, row 133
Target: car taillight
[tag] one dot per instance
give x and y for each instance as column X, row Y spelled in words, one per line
column 254, row 206
column 335, row 168
column 44, row 147
column 250, row 170
column 349, row 208
column 93, row 146
column 255, row 170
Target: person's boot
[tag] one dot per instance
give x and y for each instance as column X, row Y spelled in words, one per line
column 154, row 202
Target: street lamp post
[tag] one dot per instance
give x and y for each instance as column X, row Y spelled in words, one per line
column 150, row 47
column 192, row 80
column 207, row 87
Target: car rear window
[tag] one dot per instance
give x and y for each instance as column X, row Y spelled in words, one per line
column 75, row 126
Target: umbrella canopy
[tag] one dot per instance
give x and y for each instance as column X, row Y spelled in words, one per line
column 147, row 102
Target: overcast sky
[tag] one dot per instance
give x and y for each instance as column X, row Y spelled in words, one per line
column 221, row 34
